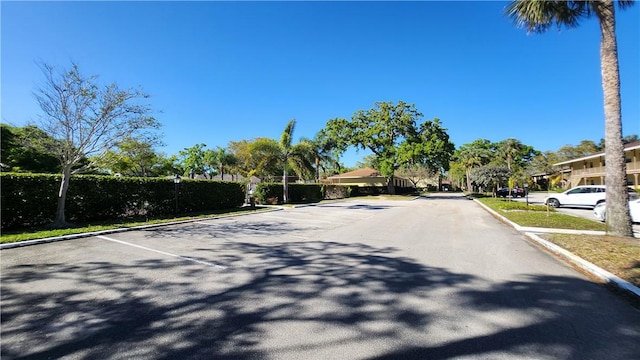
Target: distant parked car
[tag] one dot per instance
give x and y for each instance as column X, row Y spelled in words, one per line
column 515, row 192
column 584, row 195
column 600, row 211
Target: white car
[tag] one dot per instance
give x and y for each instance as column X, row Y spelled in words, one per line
column 584, row 195
column 600, row 211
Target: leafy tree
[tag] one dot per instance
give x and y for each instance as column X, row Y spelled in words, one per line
column 625, row 140
column 17, row 153
column 169, row 165
column 389, row 131
column 456, row 174
column 84, row 119
column 368, row 161
column 132, row 157
column 416, row 173
column 472, row 155
column 327, row 147
column 429, row 148
column 193, row 160
column 489, row 176
column 539, row 16
column 585, row 148
column 630, row 138
column 334, row 140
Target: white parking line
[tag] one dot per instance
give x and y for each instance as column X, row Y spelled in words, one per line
column 164, row 253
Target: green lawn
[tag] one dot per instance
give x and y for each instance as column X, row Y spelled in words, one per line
column 537, row 216
column 619, row 256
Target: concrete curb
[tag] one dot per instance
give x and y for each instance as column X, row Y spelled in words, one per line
column 119, row 230
column 530, row 232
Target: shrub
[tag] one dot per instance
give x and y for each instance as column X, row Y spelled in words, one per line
column 331, row 192
column 272, row 193
column 30, row 199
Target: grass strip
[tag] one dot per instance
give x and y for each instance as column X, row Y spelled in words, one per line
column 619, row 256
column 537, row 216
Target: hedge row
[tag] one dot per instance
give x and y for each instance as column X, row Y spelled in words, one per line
column 272, row 193
column 30, row 199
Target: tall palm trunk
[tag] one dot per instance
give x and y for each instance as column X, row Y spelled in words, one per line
column 285, row 185
column 618, row 219
column 469, row 189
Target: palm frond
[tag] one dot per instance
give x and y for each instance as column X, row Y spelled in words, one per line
column 539, row 15
column 285, row 139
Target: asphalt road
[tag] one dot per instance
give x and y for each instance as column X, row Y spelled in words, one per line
column 433, row 278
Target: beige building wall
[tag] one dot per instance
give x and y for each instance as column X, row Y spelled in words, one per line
column 591, row 170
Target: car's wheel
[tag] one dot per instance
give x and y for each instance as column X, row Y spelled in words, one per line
column 553, row 202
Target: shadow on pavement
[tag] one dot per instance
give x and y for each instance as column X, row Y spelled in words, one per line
column 344, row 295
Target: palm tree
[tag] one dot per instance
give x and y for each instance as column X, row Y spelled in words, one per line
column 473, row 155
column 539, row 16
column 293, row 156
column 509, row 148
column 224, row 160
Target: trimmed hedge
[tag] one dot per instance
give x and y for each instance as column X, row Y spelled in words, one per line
column 31, row 199
column 272, row 193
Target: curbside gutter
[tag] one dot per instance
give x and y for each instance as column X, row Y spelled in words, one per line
column 598, row 272
column 119, row 230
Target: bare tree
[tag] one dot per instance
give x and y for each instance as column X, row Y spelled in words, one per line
column 86, row 119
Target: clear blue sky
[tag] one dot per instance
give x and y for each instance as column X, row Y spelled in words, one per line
column 222, row 71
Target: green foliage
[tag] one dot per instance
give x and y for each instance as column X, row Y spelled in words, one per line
column 132, row 157
column 268, row 193
column 257, row 157
column 490, row 176
column 193, row 160
column 430, row 148
column 272, row 193
column 18, row 155
column 29, row 199
column 84, row 119
column 509, row 205
column 332, row 192
column 542, row 219
column 383, row 129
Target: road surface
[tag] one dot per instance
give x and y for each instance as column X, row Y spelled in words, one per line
column 433, row 278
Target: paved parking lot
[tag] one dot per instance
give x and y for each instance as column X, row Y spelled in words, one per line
column 434, row 278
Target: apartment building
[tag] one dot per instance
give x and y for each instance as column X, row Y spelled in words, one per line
column 590, row 170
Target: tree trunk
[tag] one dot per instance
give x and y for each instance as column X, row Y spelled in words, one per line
column 285, row 186
column 317, row 169
column 618, row 218
column 60, row 220
column 469, row 189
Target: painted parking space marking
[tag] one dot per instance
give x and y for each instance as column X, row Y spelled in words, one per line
column 164, row 253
